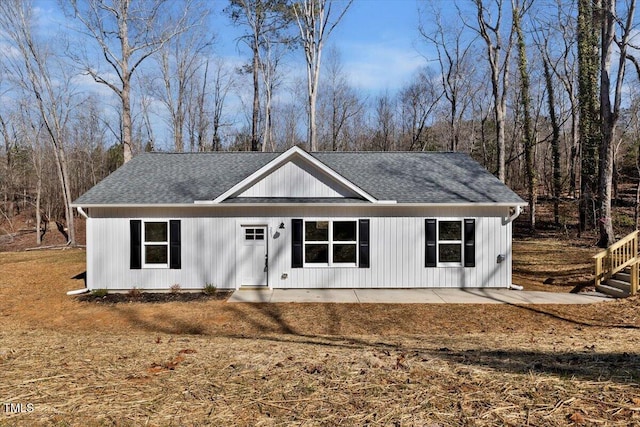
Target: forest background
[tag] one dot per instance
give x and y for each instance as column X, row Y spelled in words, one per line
column 544, row 94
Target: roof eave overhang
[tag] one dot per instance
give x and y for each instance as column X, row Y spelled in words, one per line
column 383, row 203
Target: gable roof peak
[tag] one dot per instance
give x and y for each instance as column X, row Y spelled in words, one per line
column 280, row 160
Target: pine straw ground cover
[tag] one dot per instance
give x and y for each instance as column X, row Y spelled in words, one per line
column 212, row 363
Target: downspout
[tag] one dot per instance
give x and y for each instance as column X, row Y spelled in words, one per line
column 513, row 216
column 84, row 290
column 82, row 212
column 508, row 220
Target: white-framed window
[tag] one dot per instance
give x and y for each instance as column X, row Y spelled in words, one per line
column 155, row 244
column 450, row 244
column 331, row 242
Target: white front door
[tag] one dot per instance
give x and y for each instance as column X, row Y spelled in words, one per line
column 253, row 256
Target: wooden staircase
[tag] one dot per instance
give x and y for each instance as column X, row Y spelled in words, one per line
column 617, row 268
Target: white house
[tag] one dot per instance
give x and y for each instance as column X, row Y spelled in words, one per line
column 299, row 220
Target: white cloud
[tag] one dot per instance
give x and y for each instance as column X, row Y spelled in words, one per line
column 376, row 67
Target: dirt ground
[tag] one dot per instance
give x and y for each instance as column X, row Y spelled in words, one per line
column 64, row 361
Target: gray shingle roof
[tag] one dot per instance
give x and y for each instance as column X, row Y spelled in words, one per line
column 406, row 177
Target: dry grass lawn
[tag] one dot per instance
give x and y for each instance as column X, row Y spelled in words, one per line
column 213, row 363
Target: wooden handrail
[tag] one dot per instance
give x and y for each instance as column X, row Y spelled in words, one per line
column 617, row 257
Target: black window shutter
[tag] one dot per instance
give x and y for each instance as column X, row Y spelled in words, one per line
column 135, row 256
column 469, row 242
column 175, row 252
column 296, row 243
column 430, row 248
column 363, row 243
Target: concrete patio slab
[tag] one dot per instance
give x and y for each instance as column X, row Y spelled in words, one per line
column 251, row 295
column 413, row 296
column 398, row 296
column 468, row 296
column 314, row 295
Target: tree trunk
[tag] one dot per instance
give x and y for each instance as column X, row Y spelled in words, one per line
column 607, row 128
column 499, row 66
column 313, row 19
column 610, row 112
column 39, row 234
column 255, row 143
column 125, row 93
column 555, row 143
column 529, row 142
column 588, row 53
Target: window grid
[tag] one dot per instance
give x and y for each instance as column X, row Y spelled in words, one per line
column 450, row 243
column 254, row 233
column 326, row 248
column 155, row 250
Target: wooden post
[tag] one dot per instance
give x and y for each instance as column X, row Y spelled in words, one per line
column 634, row 268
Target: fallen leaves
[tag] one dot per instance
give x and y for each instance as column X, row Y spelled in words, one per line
column 170, row 364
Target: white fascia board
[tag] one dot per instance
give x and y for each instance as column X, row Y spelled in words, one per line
column 131, row 205
column 382, row 203
column 278, row 161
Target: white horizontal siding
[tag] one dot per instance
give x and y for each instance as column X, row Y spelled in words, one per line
column 209, row 238
column 297, row 179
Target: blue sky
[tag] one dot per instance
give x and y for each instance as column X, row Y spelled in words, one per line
column 379, row 43
column 377, row 40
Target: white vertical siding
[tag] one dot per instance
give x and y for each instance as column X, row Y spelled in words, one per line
column 210, row 235
column 296, row 179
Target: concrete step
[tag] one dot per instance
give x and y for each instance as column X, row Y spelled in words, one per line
column 613, row 291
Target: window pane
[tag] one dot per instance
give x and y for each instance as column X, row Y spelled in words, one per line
column 450, row 252
column 450, row 230
column 259, row 233
column 316, row 231
column 316, row 254
column 344, row 253
column 155, row 254
column 155, row 231
column 344, row 231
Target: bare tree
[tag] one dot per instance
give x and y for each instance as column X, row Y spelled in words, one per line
column 127, row 32
column 498, row 56
column 209, row 89
column 555, row 141
column 7, row 177
column 179, row 61
column 610, row 111
column 454, row 58
column 418, row 101
column 30, row 131
column 315, row 22
column 555, row 41
column 265, row 21
column 385, row 128
column 222, row 84
column 588, row 54
column 35, row 70
column 273, row 53
column 525, row 99
column 338, row 103
column 565, row 69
